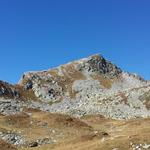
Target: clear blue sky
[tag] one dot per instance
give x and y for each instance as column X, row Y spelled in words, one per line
column 40, row 34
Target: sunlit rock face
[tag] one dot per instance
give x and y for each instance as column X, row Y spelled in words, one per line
column 87, row 86
column 61, row 82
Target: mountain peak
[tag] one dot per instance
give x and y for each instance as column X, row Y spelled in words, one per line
column 63, row 78
column 82, row 82
column 91, row 74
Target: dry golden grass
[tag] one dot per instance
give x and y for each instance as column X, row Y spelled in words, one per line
column 19, row 121
column 146, row 98
column 107, row 83
column 124, row 97
column 6, row 146
column 53, row 72
column 25, row 94
column 57, row 120
column 90, row 132
column 147, row 104
column 70, row 75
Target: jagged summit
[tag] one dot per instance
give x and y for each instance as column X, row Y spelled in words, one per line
column 95, row 63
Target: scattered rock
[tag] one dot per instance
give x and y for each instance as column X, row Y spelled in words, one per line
column 10, row 106
column 33, row 144
column 88, row 86
column 105, row 134
column 41, row 142
column 12, row 138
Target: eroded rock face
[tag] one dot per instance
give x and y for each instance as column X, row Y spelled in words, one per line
column 97, row 64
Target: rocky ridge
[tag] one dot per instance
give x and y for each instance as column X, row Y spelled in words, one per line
column 91, row 85
column 88, row 87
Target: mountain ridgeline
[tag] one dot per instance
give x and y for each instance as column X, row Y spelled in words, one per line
column 91, row 85
column 85, row 104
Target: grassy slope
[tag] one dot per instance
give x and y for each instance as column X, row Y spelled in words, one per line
column 91, row 132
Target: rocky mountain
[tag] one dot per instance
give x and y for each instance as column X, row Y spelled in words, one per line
column 88, row 87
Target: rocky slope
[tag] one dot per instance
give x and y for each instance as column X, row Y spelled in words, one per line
column 90, row 86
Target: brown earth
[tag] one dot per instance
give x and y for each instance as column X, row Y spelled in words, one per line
column 91, row 132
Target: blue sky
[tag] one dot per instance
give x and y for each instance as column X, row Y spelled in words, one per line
column 40, row 34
